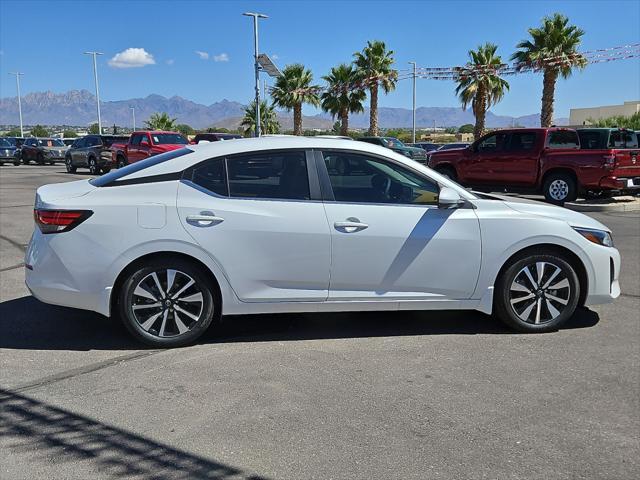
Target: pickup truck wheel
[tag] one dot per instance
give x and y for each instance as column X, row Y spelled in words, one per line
column 69, row 166
column 122, row 162
column 560, row 188
column 448, row 172
column 537, row 292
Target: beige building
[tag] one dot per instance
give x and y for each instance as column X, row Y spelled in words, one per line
column 581, row 116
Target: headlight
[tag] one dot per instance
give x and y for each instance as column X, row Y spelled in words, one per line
column 596, row 236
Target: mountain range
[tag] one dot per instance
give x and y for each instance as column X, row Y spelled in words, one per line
column 77, row 107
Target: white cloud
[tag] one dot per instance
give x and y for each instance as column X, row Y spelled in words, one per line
column 202, row 55
column 223, row 57
column 132, row 58
column 170, row 61
column 274, row 56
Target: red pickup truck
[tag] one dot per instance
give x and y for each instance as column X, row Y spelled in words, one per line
column 145, row 144
column 547, row 160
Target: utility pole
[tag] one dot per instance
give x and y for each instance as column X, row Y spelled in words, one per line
column 256, row 16
column 17, row 74
column 95, row 77
column 413, row 136
column 133, row 114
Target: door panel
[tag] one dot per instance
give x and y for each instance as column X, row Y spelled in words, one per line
column 270, row 249
column 488, row 160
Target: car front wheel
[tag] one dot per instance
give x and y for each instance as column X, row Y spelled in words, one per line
column 168, row 303
column 537, row 293
column 69, row 165
column 94, row 169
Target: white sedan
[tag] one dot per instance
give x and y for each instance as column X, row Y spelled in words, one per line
column 286, row 224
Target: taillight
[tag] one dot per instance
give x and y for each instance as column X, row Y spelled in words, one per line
column 609, row 160
column 56, row 221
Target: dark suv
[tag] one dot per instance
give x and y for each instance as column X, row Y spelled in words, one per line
column 43, row 150
column 8, row 152
column 215, row 137
column 92, row 152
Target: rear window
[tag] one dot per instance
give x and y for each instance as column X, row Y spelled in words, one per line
column 563, row 139
column 114, row 175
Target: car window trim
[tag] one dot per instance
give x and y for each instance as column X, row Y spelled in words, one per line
column 323, row 172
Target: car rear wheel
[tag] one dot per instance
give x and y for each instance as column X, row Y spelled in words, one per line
column 560, row 188
column 40, row 159
column 69, row 166
column 122, row 162
column 16, row 162
column 94, row 169
column 537, row 293
column 168, row 303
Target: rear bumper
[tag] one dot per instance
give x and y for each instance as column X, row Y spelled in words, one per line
column 620, row 183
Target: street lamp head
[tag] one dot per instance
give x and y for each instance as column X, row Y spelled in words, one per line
column 93, row 53
column 253, row 14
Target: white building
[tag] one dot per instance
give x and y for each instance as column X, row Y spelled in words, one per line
column 581, row 116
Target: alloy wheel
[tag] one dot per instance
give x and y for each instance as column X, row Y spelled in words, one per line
column 167, row 303
column 539, row 292
column 93, row 168
column 558, row 190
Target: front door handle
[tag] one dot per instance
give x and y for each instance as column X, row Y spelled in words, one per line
column 205, row 219
column 351, row 225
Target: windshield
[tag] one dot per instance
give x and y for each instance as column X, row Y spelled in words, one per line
column 392, row 142
column 50, row 142
column 136, row 167
column 5, row 143
column 168, row 139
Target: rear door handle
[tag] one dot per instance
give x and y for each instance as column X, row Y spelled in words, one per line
column 205, row 219
column 351, row 225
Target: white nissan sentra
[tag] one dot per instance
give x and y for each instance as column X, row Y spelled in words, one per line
column 286, row 224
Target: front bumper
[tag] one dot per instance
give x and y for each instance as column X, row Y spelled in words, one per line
column 604, row 285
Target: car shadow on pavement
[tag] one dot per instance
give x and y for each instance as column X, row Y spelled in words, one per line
column 26, row 323
column 37, row 428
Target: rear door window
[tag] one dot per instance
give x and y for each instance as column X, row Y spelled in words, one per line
column 592, row 139
column 521, row 141
column 563, row 139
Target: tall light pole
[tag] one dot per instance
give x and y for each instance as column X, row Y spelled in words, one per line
column 17, row 74
column 95, row 77
column 413, row 136
column 256, row 16
column 133, row 113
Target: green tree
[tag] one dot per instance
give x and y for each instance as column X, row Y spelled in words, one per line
column 480, row 84
column 185, row 129
column 466, row 128
column 292, row 89
column 342, row 97
column 336, row 128
column 268, row 119
column 374, row 67
column 552, row 48
column 632, row 122
column 14, row 132
column 39, row 131
column 69, row 134
column 218, row 130
column 93, row 129
column 161, row 121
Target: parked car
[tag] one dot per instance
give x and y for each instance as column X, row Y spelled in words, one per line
column 189, row 235
column 43, row 150
column 215, row 137
column 452, row 146
column 145, row 144
column 547, row 160
column 426, row 146
column 92, row 152
column 397, row 146
column 8, row 152
column 335, row 137
column 16, row 142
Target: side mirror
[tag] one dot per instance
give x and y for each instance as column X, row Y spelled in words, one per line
column 144, row 142
column 449, row 198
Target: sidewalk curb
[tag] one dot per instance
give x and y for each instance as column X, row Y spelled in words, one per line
column 611, row 207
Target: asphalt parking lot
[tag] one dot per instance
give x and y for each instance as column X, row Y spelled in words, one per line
column 411, row 395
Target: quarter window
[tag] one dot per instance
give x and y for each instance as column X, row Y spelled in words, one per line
column 211, row 176
column 364, row 179
column 280, row 175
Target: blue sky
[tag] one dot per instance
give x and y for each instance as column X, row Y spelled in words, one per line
column 45, row 39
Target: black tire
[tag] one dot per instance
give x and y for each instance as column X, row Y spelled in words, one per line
column 70, row 167
column 40, row 159
column 542, row 309
column 106, row 169
column 16, row 162
column 152, row 334
column 559, row 188
column 52, row 163
column 121, row 161
column 1, row 164
column 448, row 172
column 94, row 169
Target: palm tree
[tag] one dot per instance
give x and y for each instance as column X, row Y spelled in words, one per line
column 293, row 88
column 268, row 119
column 161, row 121
column 480, row 85
column 341, row 98
column 374, row 70
column 552, row 48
